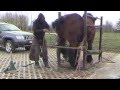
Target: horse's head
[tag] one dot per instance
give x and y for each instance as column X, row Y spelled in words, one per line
column 57, row 23
column 94, row 19
column 89, row 15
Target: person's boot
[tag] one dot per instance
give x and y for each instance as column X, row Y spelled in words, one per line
column 37, row 64
column 46, row 64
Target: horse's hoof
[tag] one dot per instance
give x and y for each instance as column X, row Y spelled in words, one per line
column 90, row 62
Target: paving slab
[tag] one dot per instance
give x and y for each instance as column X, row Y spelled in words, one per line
column 21, row 57
column 111, row 70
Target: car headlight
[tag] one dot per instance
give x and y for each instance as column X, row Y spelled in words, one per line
column 19, row 37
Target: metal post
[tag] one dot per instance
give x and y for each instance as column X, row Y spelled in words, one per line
column 59, row 14
column 58, row 50
column 100, row 40
column 85, row 40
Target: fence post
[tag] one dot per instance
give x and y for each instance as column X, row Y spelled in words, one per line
column 58, row 50
column 85, row 40
column 100, row 40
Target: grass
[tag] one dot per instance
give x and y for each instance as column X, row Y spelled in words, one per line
column 110, row 41
column 51, row 38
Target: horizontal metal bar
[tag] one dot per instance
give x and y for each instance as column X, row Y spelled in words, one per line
column 89, row 52
column 99, row 18
column 99, row 26
column 66, row 47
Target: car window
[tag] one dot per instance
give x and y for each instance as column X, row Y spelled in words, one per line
column 8, row 27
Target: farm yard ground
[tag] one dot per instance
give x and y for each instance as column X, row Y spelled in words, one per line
column 107, row 69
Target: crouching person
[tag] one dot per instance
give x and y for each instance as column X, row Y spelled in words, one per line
column 38, row 48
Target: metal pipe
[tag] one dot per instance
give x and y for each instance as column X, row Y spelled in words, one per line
column 85, row 40
column 100, row 40
column 58, row 50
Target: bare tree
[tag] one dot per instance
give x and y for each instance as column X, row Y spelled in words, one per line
column 108, row 27
column 19, row 20
column 23, row 22
column 118, row 25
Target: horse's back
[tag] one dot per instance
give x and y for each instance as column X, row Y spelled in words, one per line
column 73, row 20
column 70, row 27
column 73, row 26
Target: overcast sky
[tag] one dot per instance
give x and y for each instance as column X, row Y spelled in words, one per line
column 111, row 16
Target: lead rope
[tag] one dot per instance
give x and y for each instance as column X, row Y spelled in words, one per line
column 78, row 61
column 43, row 43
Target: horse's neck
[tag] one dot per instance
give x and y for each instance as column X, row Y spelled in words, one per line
column 90, row 22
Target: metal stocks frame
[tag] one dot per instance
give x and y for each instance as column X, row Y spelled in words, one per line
column 84, row 47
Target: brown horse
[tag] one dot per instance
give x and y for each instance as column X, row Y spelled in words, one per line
column 70, row 28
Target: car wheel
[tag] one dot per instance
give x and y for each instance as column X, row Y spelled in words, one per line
column 9, row 46
column 27, row 48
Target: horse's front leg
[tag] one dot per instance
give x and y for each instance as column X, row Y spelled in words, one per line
column 89, row 57
column 61, row 42
column 58, row 57
column 72, row 53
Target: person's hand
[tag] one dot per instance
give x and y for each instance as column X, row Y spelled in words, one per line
column 45, row 30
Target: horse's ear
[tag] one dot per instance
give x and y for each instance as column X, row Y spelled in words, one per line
column 95, row 18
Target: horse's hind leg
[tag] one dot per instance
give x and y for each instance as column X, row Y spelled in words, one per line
column 89, row 57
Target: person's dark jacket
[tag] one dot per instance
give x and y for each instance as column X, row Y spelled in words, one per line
column 38, row 25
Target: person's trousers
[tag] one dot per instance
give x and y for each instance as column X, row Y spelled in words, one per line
column 38, row 47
